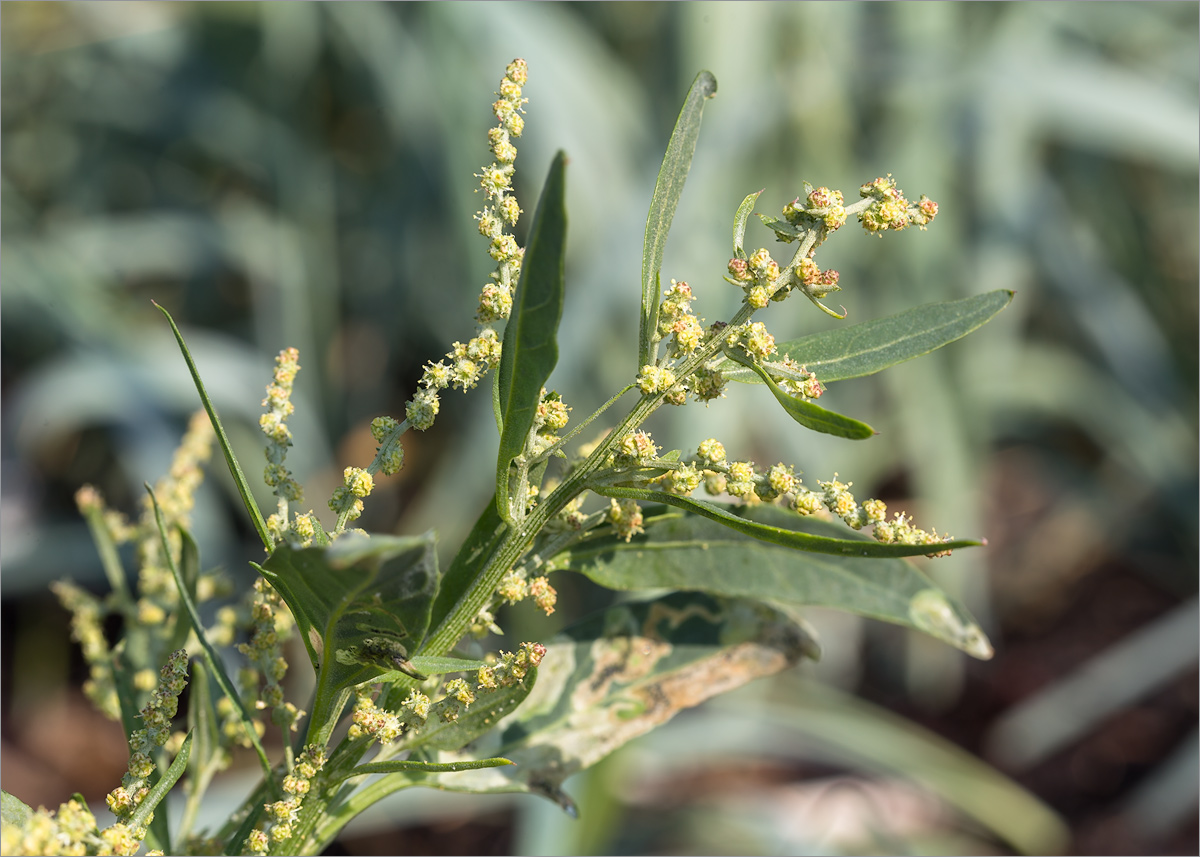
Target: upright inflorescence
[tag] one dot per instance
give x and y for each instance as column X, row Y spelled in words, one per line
column 143, row 743
column 282, row 815
column 176, row 496
column 273, row 423
column 467, row 362
column 265, row 652
column 155, row 597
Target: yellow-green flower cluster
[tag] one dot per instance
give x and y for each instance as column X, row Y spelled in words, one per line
column 176, row 496
column 70, row 830
column 626, row 518
column 635, row 448
column 794, row 378
column 655, row 379
column 502, row 211
column 743, row 480
column 677, row 321
column 458, row 695
column 283, row 814
column 87, row 617
column 514, row 587
column 273, row 423
column 347, row 499
column 759, row 278
column 551, row 417
column 465, row 364
column 368, row 719
column 389, row 453
column 265, row 653
column 156, row 716
column 889, row 209
column 753, row 338
column 824, row 207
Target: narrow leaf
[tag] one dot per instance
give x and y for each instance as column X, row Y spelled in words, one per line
column 676, row 163
column 850, row 544
column 442, row 666
column 530, row 348
column 871, row 346
column 739, row 224
column 426, row 767
column 804, row 412
column 620, row 673
column 688, row 552
column 235, row 469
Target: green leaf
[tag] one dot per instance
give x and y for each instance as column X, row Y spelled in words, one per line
column 362, row 605
column 13, row 810
column 739, row 223
column 618, row 674
column 681, row 551
column 235, row 469
column 869, row 347
column 530, row 348
column 676, row 163
column 804, row 412
column 442, row 666
column 407, row 766
column 788, row 533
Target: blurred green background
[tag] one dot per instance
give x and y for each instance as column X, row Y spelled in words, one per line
column 301, row 174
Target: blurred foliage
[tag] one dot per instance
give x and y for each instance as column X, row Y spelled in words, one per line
column 300, row 174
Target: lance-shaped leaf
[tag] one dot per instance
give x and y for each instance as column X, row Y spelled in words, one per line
column 784, row 534
column 362, row 604
column 618, row 674
column 869, row 347
column 409, row 766
column 689, row 552
column 530, row 348
column 739, row 224
column 672, row 175
column 803, row 411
